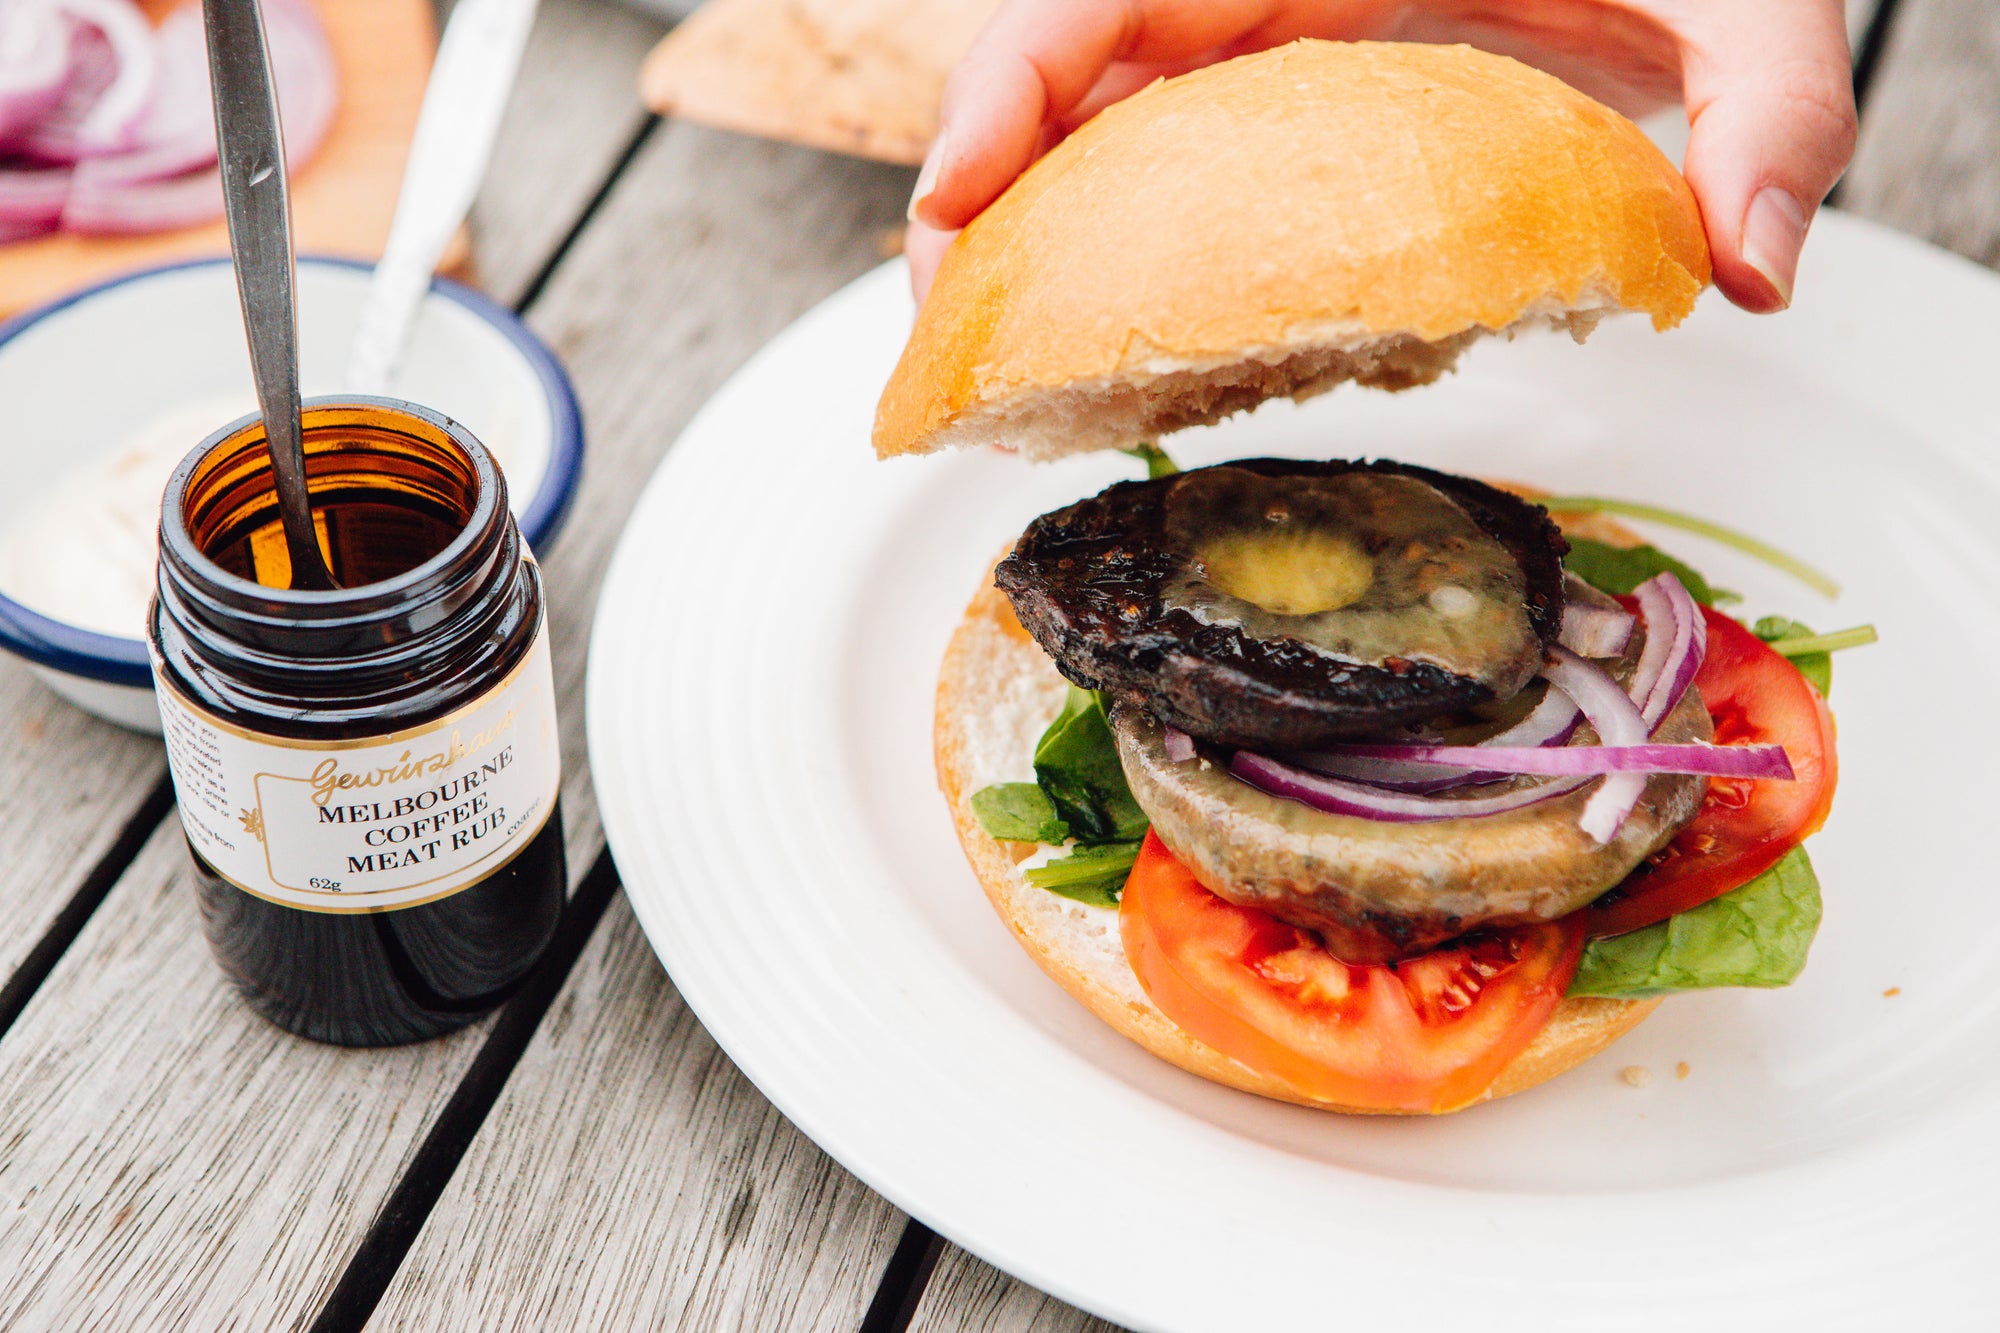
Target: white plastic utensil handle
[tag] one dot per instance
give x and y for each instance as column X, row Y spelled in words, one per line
column 477, row 59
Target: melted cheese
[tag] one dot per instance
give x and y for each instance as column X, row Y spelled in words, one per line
column 1366, row 568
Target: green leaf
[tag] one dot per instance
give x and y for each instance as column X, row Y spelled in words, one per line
column 1815, row 667
column 1018, row 812
column 1620, row 569
column 1077, row 765
column 1756, row 935
column 1155, row 458
column 1094, row 875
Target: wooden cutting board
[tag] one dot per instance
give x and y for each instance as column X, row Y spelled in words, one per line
column 342, row 198
column 852, row 76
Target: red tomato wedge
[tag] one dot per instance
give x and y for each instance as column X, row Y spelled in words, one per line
column 1429, row 1034
column 1745, row 824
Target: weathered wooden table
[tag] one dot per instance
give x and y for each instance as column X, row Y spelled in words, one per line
column 586, row 1158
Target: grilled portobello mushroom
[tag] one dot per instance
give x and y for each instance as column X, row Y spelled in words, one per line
column 1282, row 604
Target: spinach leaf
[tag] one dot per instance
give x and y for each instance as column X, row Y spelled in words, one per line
column 1815, row 667
column 1094, row 875
column 1018, row 812
column 1620, row 569
column 1756, row 935
column 1077, row 765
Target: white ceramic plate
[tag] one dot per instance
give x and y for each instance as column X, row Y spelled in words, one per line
column 760, row 727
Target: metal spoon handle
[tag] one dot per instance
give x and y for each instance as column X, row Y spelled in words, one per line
column 252, row 151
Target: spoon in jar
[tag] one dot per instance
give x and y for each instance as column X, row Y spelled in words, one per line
column 258, row 206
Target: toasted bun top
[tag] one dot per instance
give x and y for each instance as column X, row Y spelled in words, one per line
column 1277, row 224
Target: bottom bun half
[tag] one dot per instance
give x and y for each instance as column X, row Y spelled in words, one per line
column 997, row 692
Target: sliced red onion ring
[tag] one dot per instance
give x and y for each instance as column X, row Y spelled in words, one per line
column 34, row 64
column 31, row 199
column 178, row 134
column 1570, row 761
column 117, row 196
column 1676, row 643
column 1391, row 774
column 1180, row 745
column 1339, row 797
column 53, row 137
column 112, row 120
column 1595, row 631
column 1618, row 723
column 1551, row 722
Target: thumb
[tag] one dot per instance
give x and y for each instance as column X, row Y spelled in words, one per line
column 1770, row 97
column 924, row 246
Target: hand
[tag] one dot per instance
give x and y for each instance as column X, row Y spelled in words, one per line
column 1767, row 84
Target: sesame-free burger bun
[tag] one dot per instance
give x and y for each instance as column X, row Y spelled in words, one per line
column 997, row 691
column 1279, row 223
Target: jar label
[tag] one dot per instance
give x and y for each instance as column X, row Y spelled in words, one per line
column 375, row 822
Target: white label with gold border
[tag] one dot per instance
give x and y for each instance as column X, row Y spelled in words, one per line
column 374, row 822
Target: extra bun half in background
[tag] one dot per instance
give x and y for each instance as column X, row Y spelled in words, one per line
column 1280, row 223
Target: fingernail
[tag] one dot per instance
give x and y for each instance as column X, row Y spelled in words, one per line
column 927, row 178
column 1773, row 230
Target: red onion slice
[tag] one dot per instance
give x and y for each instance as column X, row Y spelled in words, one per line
column 1676, row 643
column 1595, row 631
column 1338, row 797
column 34, row 64
column 178, row 135
column 31, row 199
column 53, row 137
column 1569, row 761
column 115, row 196
column 1618, row 723
column 112, row 120
column 1390, row 774
column 1551, row 722
column 1180, row 745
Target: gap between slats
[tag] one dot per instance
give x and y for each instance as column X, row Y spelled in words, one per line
column 904, row 1280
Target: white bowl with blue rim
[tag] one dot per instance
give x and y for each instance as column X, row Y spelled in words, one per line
column 102, row 386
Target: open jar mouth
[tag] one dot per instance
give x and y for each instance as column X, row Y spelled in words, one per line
column 399, row 494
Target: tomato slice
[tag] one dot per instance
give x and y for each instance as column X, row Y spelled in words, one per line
column 1428, row 1034
column 1755, row 696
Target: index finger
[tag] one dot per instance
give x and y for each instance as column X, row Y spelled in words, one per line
column 1037, row 59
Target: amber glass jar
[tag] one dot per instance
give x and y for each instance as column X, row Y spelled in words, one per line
column 368, row 777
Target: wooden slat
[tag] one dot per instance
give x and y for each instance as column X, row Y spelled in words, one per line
column 629, row 1177
column 574, row 110
column 967, row 1295
column 68, row 786
column 1929, row 157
